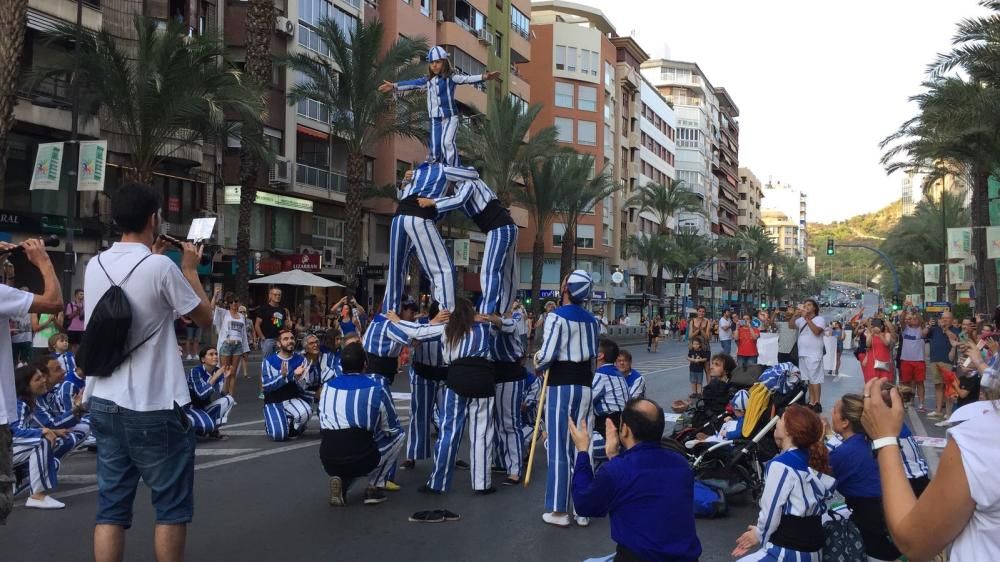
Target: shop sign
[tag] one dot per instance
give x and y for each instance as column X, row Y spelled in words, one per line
column 231, row 196
column 304, row 262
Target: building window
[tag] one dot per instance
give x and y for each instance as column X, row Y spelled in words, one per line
column 587, row 100
column 606, row 234
column 469, row 18
column 560, row 57
column 564, row 129
column 585, row 61
column 586, row 132
column 609, row 77
column 558, row 230
column 519, row 22
column 594, row 64
column 564, row 95
column 498, row 44
column 425, row 7
column 571, row 59
column 584, row 236
column 464, row 63
column 519, row 102
column 282, row 229
column 328, row 233
column 311, row 13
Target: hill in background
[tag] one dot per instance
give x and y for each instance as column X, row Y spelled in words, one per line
column 852, row 264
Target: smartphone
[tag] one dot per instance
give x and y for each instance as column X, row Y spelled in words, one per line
column 878, row 323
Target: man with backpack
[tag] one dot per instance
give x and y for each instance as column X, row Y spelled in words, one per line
column 136, row 384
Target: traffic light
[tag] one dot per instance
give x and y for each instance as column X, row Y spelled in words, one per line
column 763, row 306
column 895, row 303
column 830, row 250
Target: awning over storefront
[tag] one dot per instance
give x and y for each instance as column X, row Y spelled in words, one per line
column 312, row 132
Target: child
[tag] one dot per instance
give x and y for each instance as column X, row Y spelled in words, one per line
column 32, row 445
column 59, row 346
column 697, row 357
column 636, row 382
column 716, row 392
column 733, row 428
column 440, row 85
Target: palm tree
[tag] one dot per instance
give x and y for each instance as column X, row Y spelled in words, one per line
column 13, row 22
column 685, row 250
column 576, row 202
column 650, row 250
column 174, row 92
column 548, row 180
column 761, row 249
column 499, row 145
column 360, row 115
column 259, row 30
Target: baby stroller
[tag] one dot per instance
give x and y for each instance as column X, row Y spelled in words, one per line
column 736, row 467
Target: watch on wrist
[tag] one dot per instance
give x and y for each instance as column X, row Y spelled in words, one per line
column 884, row 442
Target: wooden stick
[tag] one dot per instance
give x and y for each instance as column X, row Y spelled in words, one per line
column 538, row 422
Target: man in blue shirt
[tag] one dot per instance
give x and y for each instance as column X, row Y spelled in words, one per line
column 942, row 336
column 646, row 489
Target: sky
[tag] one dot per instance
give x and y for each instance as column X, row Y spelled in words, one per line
column 818, row 85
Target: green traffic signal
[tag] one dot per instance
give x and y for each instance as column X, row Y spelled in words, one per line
column 830, row 250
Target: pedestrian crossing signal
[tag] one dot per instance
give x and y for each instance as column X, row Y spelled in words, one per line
column 830, row 250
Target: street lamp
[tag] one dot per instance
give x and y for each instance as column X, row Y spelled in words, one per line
column 695, row 269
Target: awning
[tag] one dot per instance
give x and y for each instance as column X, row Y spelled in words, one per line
column 312, row 132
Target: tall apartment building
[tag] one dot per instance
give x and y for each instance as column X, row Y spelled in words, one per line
column 726, row 165
column 785, row 232
column 913, row 183
column 751, row 194
column 783, row 199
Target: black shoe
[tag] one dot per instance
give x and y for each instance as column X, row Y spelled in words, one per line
column 486, row 492
column 374, row 496
column 498, row 469
column 448, row 515
column 435, row 516
column 425, row 489
column 817, row 407
column 408, row 464
column 510, row 481
column 460, row 464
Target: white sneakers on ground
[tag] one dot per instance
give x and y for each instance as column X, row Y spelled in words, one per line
column 582, row 521
column 48, row 502
column 557, row 520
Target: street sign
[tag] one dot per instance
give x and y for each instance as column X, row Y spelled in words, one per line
column 617, row 277
column 941, row 306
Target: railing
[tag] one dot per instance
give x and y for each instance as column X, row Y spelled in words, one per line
column 318, row 177
column 52, row 91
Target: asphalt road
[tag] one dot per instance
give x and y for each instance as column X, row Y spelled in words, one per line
column 257, row 500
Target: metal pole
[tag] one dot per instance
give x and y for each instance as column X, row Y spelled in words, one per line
column 71, row 163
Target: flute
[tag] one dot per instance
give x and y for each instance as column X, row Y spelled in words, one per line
column 178, row 243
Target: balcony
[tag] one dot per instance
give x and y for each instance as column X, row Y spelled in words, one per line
column 318, row 182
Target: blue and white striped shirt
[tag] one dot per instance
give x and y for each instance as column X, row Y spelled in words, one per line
column 506, row 344
column 358, row 401
column 636, row 384
column 428, row 352
column 570, row 335
column 385, row 339
column 271, row 371
column 68, row 363
column 198, row 383
column 791, row 487
column 430, row 179
column 319, row 371
column 440, row 91
column 914, row 463
column 54, row 409
column 529, row 397
column 25, row 426
column 610, row 390
column 475, row 343
column 472, row 196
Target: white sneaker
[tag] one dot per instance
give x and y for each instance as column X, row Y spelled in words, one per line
column 47, row 503
column 943, row 423
column 557, row 520
column 582, row 521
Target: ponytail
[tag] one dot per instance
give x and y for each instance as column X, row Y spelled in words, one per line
column 805, row 429
column 819, row 457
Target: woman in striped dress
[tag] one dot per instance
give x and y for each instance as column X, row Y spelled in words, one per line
column 796, row 488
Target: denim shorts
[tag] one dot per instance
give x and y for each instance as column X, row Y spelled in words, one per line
column 696, row 377
column 230, row 348
column 156, row 446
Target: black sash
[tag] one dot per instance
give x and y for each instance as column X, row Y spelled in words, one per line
column 346, row 445
column 508, row 371
column 287, row 392
column 804, row 534
column 492, row 217
column 600, row 422
column 472, row 377
column 430, row 372
column 410, row 207
column 385, row 366
column 569, row 373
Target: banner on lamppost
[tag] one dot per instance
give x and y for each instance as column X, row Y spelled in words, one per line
column 93, row 161
column 669, row 290
column 930, row 293
column 956, row 273
column 993, row 242
column 959, row 243
column 916, row 299
column 48, row 162
column 932, row 273
column 461, row 254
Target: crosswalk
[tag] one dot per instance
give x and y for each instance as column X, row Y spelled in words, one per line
column 660, row 365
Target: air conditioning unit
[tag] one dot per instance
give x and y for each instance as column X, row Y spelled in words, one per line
column 485, row 37
column 440, row 16
column 329, row 256
column 284, row 26
column 280, row 172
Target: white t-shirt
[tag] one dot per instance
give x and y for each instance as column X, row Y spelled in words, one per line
column 980, row 540
column 810, row 345
column 725, row 329
column 23, row 326
column 231, row 327
column 153, row 377
column 14, row 303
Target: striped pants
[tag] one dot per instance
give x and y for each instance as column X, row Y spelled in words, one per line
column 507, row 420
column 454, row 410
column 42, row 464
column 389, row 448
column 286, row 419
column 212, row 417
column 442, row 142
column 72, row 440
column 425, row 395
column 499, row 271
column 408, row 233
column 561, row 403
column 598, row 453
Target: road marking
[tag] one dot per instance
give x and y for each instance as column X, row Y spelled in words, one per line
column 206, row 465
column 77, row 478
column 233, row 432
column 243, row 424
column 221, row 452
column 932, row 454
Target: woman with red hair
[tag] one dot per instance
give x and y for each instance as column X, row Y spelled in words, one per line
column 796, row 488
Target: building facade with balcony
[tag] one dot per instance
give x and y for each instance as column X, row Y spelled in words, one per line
column 785, row 231
column 726, row 165
column 790, row 202
column 751, row 193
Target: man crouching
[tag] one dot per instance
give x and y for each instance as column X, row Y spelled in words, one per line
column 361, row 434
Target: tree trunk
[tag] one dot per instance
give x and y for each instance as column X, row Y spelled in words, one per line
column 352, row 226
column 13, row 21
column 566, row 253
column 537, row 262
column 986, row 272
column 259, row 29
